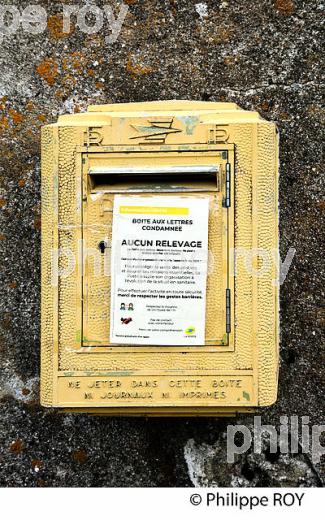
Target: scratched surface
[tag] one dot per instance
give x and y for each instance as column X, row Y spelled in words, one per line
column 264, row 56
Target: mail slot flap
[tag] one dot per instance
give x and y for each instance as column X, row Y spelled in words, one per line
column 163, row 178
column 164, row 170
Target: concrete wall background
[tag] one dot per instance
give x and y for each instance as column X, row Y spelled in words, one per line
column 262, row 55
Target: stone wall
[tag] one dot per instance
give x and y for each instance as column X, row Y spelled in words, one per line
column 262, row 55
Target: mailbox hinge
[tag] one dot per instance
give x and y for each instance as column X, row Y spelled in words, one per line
column 228, row 185
column 228, row 315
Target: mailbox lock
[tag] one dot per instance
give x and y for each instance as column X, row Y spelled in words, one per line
column 102, row 246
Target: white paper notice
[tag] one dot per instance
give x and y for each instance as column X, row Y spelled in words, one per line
column 159, row 270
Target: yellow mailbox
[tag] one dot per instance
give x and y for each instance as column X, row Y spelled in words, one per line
column 159, row 260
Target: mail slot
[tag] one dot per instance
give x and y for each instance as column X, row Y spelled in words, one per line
column 159, row 271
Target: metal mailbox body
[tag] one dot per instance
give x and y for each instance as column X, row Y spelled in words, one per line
column 166, row 148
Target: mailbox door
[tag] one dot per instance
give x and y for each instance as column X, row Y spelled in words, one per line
column 189, row 174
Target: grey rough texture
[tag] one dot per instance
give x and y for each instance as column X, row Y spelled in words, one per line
column 262, row 55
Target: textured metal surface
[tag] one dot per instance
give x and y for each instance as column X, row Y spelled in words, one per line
column 49, row 305
column 266, row 204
